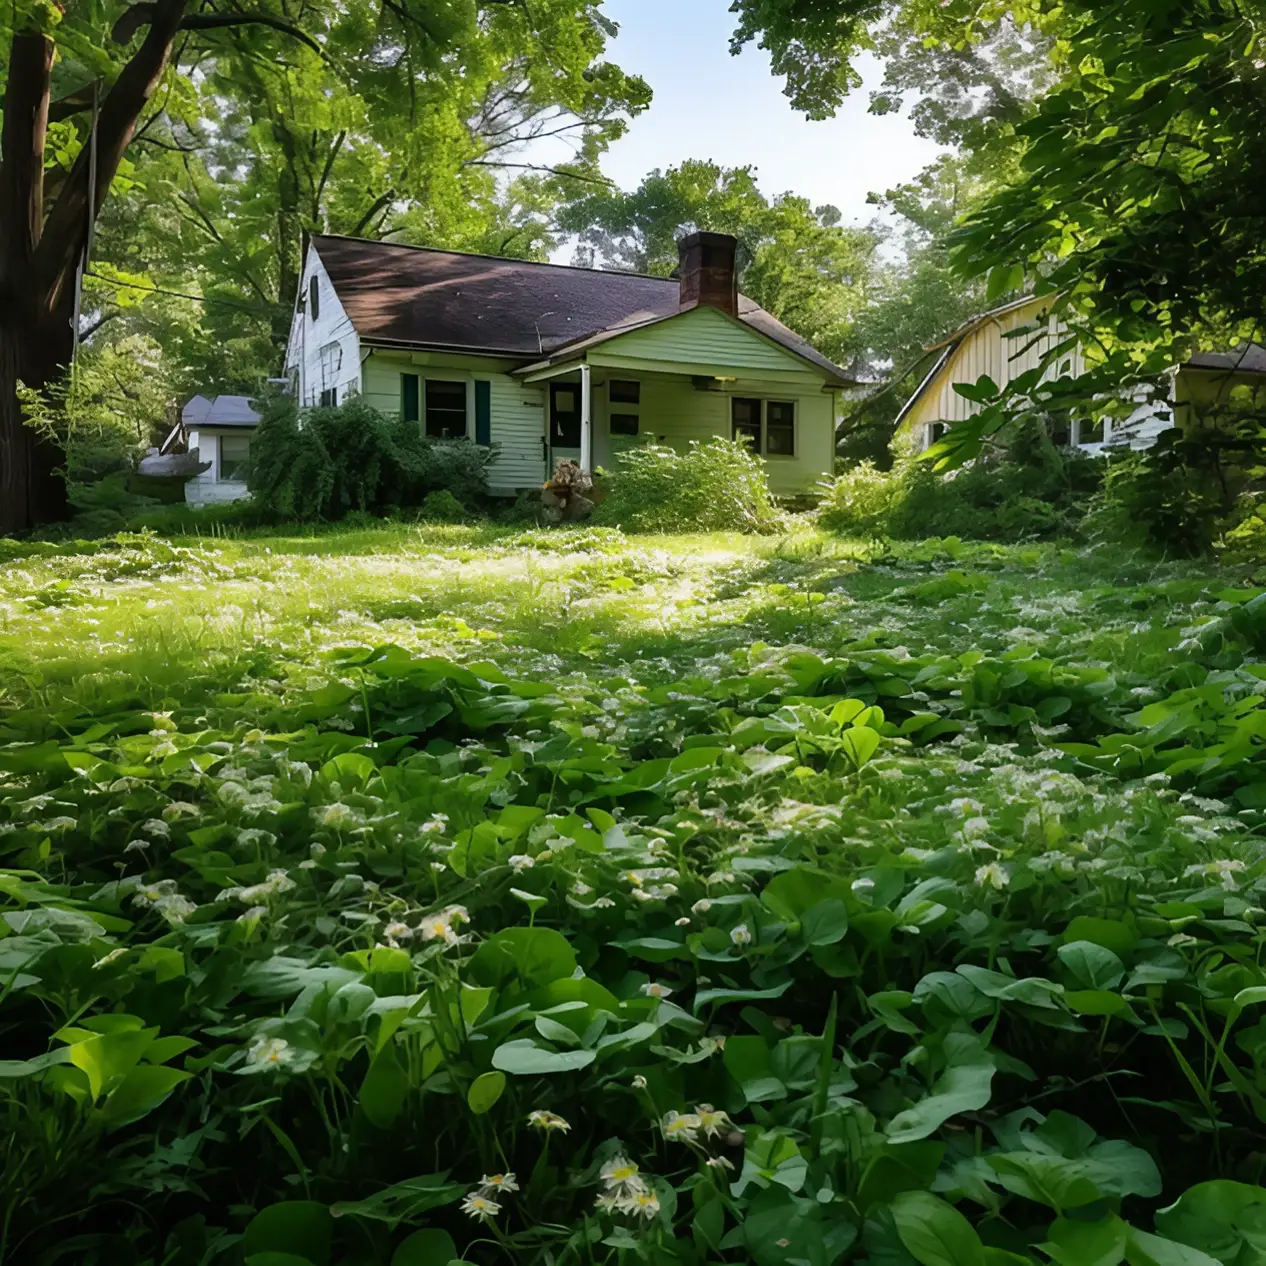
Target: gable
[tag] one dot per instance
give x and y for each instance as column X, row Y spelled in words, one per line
column 986, row 350
column 702, row 340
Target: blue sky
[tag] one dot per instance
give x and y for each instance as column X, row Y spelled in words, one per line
column 731, row 110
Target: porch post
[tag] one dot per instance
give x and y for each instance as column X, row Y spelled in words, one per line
column 586, row 417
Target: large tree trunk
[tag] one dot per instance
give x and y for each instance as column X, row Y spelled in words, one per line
column 38, row 256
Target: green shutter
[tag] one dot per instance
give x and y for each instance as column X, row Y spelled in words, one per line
column 410, row 398
column 483, row 412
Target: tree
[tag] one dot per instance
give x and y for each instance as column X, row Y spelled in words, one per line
column 352, row 120
column 795, row 261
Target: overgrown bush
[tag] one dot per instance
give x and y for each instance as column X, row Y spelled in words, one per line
column 714, row 486
column 1028, row 488
column 324, row 463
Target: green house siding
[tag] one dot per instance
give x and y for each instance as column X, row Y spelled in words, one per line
column 515, row 411
column 670, row 361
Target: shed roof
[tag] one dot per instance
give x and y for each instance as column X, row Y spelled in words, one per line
column 219, row 411
column 414, row 296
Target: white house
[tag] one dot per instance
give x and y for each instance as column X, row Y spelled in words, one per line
column 219, row 430
column 546, row 361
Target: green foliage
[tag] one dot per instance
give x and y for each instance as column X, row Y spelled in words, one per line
column 713, row 486
column 1028, row 490
column 832, row 914
column 326, row 463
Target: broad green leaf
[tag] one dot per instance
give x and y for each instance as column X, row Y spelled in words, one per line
column 302, row 1227
column 934, row 1232
column 484, row 1092
column 1094, row 966
column 404, row 1200
column 430, row 1247
column 385, row 1089
column 1222, row 1218
column 859, row 745
column 1099, row 1243
column 965, row 1088
column 524, row 1058
column 140, row 1091
column 534, row 956
column 1151, row 1250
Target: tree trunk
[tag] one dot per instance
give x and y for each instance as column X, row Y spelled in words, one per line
column 39, row 256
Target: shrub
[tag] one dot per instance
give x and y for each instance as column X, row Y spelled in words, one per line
column 324, row 463
column 713, row 486
column 443, row 507
column 1026, row 489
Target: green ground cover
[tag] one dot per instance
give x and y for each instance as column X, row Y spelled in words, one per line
column 418, row 894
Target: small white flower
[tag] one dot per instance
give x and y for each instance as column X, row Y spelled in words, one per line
column 683, row 922
column 581, row 889
column 255, row 912
column 621, row 1176
column 521, row 862
column 480, row 1207
column 157, row 827
column 712, row 1120
column 638, row 1082
column 64, row 823
column 993, row 875
column 491, row 1185
column 642, row 1204
column 681, row 1126
column 603, row 903
column 547, row 1121
column 435, row 824
column 441, row 926
column 720, row 1162
column 654, row 990
column 269, row 1052
column 397, row 931
column 701, row 907
column 741, row 935
column 336, row 815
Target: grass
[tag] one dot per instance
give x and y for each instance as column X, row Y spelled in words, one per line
column 351, row 853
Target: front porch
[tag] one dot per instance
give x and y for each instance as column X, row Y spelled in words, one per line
column 592, row 412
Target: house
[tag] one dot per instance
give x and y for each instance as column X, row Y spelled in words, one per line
column 218, row 430
column 988, row 345
column 547, row 361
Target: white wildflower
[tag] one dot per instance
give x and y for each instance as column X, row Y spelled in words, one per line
column 480, row 1207
column 490, row 1185
column 269, row 1052
column 621, row 1176
column 520, row 862
column 442, row 926
column 680, row 1126
column 654, row 990
column 712, row 1120
column 993, row 875
column 547, row 1121
column 741, row 935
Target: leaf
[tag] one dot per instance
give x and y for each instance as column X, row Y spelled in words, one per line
column 484, row 1092
column 141, row 1091
column 431, row 1247
column 1087, row 1243
column 1092, row 965
column 535, row 956
column 1003, row 278
column 1150, row 1250
column 1218, row 1217
column 385, row 1089
column 710, row 997
column 403, row 1199
column 934, row 1232
column 302, row 1227
column 964, row 1088
column 859, row 745
column 524, row 1058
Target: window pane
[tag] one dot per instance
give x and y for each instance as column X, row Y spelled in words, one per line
column 1060, row 431
column 1089, row 432
column 445, row 410
column 935, row 431
column 314, row 299
column 625, row 391
column 234, row 450
column 409, row 406
column 565, row 399
column 746, row 419
column 624, row 423
column 780, row 428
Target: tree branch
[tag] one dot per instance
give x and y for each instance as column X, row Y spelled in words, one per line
column 217, row 21
column 73, row 102
column 553, row 171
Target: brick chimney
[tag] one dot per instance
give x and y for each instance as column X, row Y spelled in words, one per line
column 707, row 272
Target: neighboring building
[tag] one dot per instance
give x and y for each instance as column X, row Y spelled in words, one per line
column 547, row 361
column 219, row 431
column 987, row 345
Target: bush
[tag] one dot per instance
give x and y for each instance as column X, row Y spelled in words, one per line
column 1027, row 489
column 712, row 487
column 443, row 507
column 324, row 463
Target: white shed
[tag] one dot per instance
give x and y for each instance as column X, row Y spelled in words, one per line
column 219, row 430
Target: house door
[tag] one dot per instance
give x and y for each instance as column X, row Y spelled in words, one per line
column 564, row 423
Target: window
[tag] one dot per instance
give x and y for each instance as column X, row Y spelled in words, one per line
column 445, row 410
column 1091, row 432
column 314, row 300
column 234, row 450
column 328, row 398
column 769, row 426
column 780, row 428
column 564, row 415
column 935, row 431
column 1060, row 429
column 410, row 406
column 745, row 415
column 624, row 391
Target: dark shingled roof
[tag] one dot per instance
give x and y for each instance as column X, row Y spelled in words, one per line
column 412, row 296
column 1250, row 359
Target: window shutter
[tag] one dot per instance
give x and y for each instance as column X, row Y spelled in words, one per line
column 483, row 413
column 410, row 398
